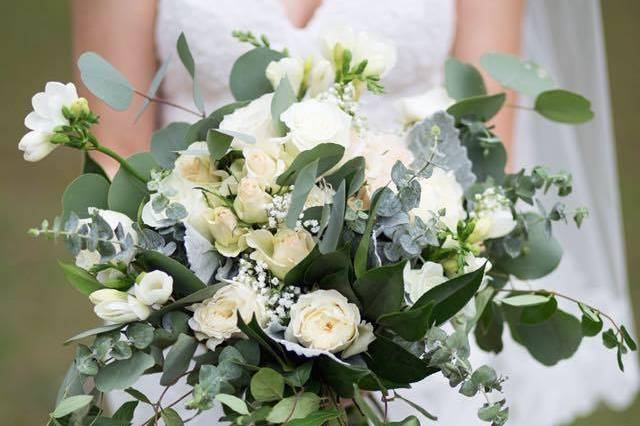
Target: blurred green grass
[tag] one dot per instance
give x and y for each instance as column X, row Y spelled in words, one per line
column 39, row 310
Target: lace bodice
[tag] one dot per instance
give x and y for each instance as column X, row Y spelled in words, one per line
column 423, row 41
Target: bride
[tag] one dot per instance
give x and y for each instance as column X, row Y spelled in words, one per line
column 134, row 36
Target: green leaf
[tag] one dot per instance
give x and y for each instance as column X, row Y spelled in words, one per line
column 305, row 181
column 327, row 154
column 267, row 385
column 381, row 290
column 90, row 166
column 522, row 300
column 539, row 313
column 331, row 236
column 195, row 297
column 341, row 377
column 294, row 407
column 104, row 81
column 631, row 344
column 451, row 296
column 185, row 282
column 564, row 106
column 171, row 417
column 480, row 107
column 166, row 142
column 540, row 254
column 177, row 360
column 417, row 407
column 233, row 402
column 93, row 332
column 412, row 324
column 154, row 86
column 198, row 131
column 517, row 74
column 352, row 172
column 283, row 98
column 300, row 375
column 138, row 395
column 296, row 275
column 249, row 350
column 361, row 259
column 126, row 411
column 405, row 368
column 71, row 385
column 488, row 331
column 462, row 80
column 590, row 327
column 609, row 339
column 83, row 281
column 255, row 332
column 365, row 407
column 123, row 373
column 550, row 341
column 317, row 418
column 127, row 193
column 407, row 421
column 248, row 80
column 140, row 335
column 88, row 190
column 218, row 143
column 187, row 60
column 71, row 404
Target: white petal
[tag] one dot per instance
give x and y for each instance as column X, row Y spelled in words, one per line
column 36, row 145
column 55, row 88
column 365, row 336
column 40, row 103
column 35, row 121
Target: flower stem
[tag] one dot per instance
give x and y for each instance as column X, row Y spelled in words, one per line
column 169, row 103
column 125, row 165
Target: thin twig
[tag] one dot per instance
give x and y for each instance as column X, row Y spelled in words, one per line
column 166, row 102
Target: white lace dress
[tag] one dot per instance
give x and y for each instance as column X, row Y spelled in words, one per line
column 423, row 32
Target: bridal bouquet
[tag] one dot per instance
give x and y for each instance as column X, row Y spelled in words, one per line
column 283, row 259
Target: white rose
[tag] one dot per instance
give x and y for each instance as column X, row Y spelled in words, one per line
column 117, row 306
column 261, row 166
column 45, row 117
column 313, row 122
column 321, row 77
column 325, row 320
column 381, row 55
column 441, row 191
column 215, row 319
column 229, row 237
column 293, row 68
column 252, row 201
column 255, row 120
column 418, row 281
column 153, row 288
column 282, row 251
column 417, row 108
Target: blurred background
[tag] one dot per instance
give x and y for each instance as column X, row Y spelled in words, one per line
column 38, row 309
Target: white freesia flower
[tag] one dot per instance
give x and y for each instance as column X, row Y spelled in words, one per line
column 493, row 214
column 252, row 201
column 293, row 68
column 117, row 306
column 153, row 288
column 45, row 117
column 282, row 251
column 441, row 191
column 215, row 319
column 418, row 281
column 380, row 54
column 417, row 108
column 228, row 236
column 321, row 77
column 325, row 320
column 255, row 120
column 313, row 122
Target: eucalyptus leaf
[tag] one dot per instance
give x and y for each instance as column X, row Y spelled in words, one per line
column 564, row 106
column 198, row 131
column 233, row 402
column 514, row 73
column 526, row 300
column 171, row 417
column 282, row 99
column 87, row 190
column 184, row 281
column 381, row 290
column 327, row 154
column 71, row 404
column 267, row 385
column 165, row 144
column 248, row 80
column 83, row 281
column 305, row 181
column 126, row 192
column 154, row 86
column 411, row 324
column 331, row 236
column 463, row 80
column 90, row 166
column 123, row 373
column 405, row 368
column 480, row 107
column 187, row 60
column 294, row 407
column 104, row 81
column 317, row 418
column 93, row 332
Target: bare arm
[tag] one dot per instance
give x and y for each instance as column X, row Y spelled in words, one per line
column 122, row 31
column 491, row 26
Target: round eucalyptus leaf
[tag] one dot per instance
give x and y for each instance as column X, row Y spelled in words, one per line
column 126, row 192
column 88, row 190
column 480, row 107
column 462, row 80
column 198, row 131
column 541, row 254
column 71, row 404
column 564, row 106
column 522, row 300
column 514, row 73
column 166, row 142
column 248, row 80
column 123, row 373
column 104, row 81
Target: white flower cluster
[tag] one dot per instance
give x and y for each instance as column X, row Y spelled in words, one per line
column 277, row 210
column 344, row 96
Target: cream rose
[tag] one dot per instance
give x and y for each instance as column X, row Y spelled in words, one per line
column 441, row 191
column 228, row 236
column 153, row 288
column 117, row 306
column 417, row 108
column 325, row 320
column 292, row 68
column 282, row 251
column 215, row 319
column 381, row 55
column 197, row 169
column 313, row 122
column 261, row 166
column 252, row 201
column 418, row 281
